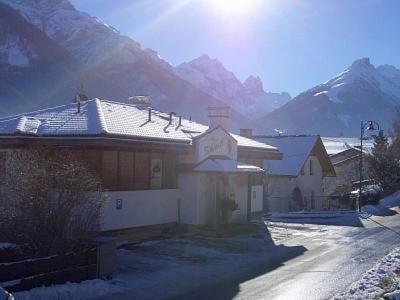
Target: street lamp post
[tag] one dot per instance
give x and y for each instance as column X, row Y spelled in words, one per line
column 365, row 125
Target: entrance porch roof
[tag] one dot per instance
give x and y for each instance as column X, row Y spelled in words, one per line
column 212, row 165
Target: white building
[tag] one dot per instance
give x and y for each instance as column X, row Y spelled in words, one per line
column 296, row 182
column 346, row 161
column 156, row 168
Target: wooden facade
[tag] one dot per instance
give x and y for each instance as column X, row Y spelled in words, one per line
column 122, row 170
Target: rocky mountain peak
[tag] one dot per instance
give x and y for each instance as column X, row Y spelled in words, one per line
column 361, row 62
column 254, row 85
column 389, row 72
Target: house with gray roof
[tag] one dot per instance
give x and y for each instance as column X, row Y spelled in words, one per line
column 157, row 168
column 295, row 182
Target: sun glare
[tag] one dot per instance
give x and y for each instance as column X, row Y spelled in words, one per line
column 235, row 7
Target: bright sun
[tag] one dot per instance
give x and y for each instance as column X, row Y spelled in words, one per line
column 235, row 7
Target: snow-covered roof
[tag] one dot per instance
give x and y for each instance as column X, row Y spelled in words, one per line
column 335, row 145
column 225, row 165
column 295, row 150
column 110, row 119
column 96, row 118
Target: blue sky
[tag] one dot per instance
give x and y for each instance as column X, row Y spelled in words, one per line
column 291, row 44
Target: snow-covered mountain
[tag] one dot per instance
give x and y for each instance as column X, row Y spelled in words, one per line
column 361, row 92
column 249, row 97
column 118, row 60
column 35, row 70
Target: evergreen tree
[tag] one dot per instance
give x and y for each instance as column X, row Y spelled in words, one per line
column 395, row 135
column 384, row 167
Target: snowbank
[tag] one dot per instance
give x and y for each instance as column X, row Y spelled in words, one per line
column 340, row 218
column 383, row 278
column 90, row 289
column 390, row 201
column 7, row 245
column 383, row 208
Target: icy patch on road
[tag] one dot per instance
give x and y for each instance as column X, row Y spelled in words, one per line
column 383, row 278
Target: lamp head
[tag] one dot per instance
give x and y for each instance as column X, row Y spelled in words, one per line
column 371, row 125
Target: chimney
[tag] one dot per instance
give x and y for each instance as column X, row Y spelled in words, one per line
column 246, row 132
column 170, row 117
column 219, row 116
column 141, row 102
column 78, row 102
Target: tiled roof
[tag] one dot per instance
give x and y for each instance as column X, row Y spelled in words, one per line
column 110, row 119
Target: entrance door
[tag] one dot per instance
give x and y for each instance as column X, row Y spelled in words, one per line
column 297, row 199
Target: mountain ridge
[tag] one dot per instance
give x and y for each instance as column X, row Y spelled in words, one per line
column 117, row 59
column 338, row 105
column 210, row 75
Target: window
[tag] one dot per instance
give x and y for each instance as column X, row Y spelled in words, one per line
column 156, row 171
column 311, row 168
column 126, row 170
column 133, row 170
column 109, row 169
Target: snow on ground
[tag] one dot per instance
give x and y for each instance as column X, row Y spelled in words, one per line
column 384, row 207
column 90, row 289
column 4, row 245
column 383, row 278
column 167, row 268
column 339, row 218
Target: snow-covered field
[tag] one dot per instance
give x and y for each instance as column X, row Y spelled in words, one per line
column 381, row 279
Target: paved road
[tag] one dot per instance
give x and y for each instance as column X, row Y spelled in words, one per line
column 304, row 262
column 334, row 259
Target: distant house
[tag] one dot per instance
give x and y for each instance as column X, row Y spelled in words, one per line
column 347, row 168
column 157, row 168
column 296, row 182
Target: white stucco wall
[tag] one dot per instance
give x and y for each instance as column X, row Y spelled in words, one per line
column 140, row 208
column 279, row 189
column 198, row 196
